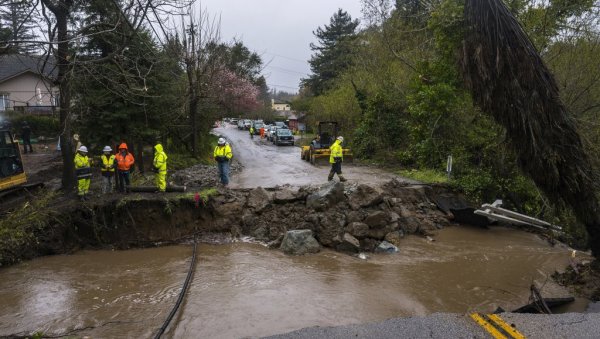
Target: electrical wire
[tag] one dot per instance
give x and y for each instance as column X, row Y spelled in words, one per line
column 184, row 289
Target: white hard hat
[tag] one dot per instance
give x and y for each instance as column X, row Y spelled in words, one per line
column 340, row 138
column 107, row 149
column 221, row 141
column 82, row 149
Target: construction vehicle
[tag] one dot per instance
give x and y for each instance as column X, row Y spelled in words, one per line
column 318, row 150
column 12, row 173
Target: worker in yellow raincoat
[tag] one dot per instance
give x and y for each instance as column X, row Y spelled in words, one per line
column 335, row 159
column 160, row 168
column 83, row 172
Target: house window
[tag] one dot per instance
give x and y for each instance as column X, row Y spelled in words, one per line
column 4, row 102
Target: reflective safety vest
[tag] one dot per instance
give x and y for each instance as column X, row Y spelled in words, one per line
column 108, row 163
column 336, row 152
column 160, row 158
column 124, row 163
column 223, row 152
column 82, row 166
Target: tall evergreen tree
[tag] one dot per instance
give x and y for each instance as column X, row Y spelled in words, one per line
column 18, row 18
column 333, row 51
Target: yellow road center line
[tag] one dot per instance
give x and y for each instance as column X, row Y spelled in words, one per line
column 509, row 329
column 487, row 326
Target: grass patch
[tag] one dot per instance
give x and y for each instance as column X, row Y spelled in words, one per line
column 19, row 227
column 427, row 176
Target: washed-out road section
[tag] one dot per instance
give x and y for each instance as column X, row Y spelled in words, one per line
column 268, row 165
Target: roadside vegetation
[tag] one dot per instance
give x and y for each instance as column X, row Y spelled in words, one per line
column 394, row 85
column 20, row 226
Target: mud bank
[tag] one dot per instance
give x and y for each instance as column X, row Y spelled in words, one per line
column 334, row 212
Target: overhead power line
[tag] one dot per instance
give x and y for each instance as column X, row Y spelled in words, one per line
column 275, row 85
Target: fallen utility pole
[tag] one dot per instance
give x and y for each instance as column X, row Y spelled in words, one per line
column 155, row 189
column 495, row 212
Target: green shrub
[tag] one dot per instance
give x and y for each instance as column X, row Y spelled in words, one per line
column 41, row 125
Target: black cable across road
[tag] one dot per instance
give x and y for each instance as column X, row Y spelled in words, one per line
column 181, row 293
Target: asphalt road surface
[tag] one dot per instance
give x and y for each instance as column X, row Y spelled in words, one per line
column 267, row 165
column 568, row 325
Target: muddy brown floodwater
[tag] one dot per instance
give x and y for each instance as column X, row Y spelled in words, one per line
column 244, row 289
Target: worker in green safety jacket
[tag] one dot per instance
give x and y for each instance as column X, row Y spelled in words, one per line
column 83, row 172
column 160, row 168
column 335, row 159
column 223, row 155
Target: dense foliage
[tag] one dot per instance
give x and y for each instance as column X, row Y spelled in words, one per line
column 124, row 76
column 402, row 100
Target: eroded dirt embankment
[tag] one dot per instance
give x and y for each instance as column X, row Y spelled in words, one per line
column 369, row 214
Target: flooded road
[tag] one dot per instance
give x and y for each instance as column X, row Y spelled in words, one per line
column 267, row 165
column 247, row 290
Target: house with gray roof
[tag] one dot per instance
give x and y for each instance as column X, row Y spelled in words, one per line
column 26, row 84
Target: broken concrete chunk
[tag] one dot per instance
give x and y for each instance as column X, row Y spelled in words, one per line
column 386, row 247
column 299, row 242
column 258, row 199
column 348, row 243
column 358, row 229
column 284, row 196
column 329, row 195
column 377, row 219
column 364, row 196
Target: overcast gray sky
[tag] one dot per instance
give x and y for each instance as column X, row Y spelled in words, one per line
column 279, row 30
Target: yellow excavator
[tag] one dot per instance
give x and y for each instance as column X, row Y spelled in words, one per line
column 12, row 173
column 318, row 150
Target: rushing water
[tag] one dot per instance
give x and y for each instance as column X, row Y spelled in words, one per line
column 247, row 290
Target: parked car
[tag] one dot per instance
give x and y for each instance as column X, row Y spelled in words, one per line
column 257, row 126
column 247, row 123
column 283, row 136
column 280, row 124
column 233, row 121
column 240, row 124
column 272, row 133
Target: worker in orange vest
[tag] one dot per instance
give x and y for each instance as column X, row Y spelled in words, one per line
column 124, row 161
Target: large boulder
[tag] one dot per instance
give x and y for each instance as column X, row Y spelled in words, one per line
column 330, row 226
column 410, row 225
column 380, row 233
column 258, row 199
column 347, row 243
column 364, row 196
column 377, row 219
column 329, row 195
column 353, row 216
column 358, row 229
column 299, row 242
column 285, row 196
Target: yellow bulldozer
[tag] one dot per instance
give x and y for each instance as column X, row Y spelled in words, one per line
column 12, row 174
column 318, row 150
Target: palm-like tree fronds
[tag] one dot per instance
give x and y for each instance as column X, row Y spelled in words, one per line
column 509, row 80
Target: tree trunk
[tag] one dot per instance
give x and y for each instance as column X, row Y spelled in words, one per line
column 193, row 122
column 61, row 12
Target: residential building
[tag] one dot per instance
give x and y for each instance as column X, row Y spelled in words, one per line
column 25, row 84
column 280, row 106
column 294, row 120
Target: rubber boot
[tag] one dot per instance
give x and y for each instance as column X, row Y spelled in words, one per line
column 342, row 179
column 330, row 177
